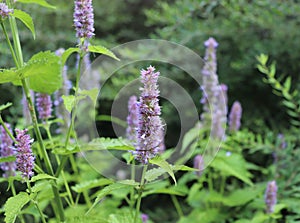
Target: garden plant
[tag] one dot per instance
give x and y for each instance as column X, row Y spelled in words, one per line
column 144, row 132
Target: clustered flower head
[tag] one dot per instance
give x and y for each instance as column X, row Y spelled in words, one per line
column 5, row 11
column 214, row 97
column 144, row 217
column 235, row 116
column 150, row 128
column 24, row 157
column 199, row 164
column 44, row 105
column 271, row 196
column 132, row 119
column 6, row 149
column 84, row 19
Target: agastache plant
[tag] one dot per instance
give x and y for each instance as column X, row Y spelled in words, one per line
column 235, row 116
column 199, row 164
column 150, row 126
column 271, row 196
column 6, row 149
column 24, row 157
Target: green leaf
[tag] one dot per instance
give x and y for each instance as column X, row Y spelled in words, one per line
column 233, row 165
column 171, row 191
column 39, row 2
column 7, row 159
column 42, row 176
column 7, row 105
column 289, row 104
column 272, row 70
column 69, row 102
column 110, row 143
column 92, row 94
column 154, row 173
column 129, row 182
column 262, row 58
column 26, row 19
column 184, row 168
column 287, row 83
column 87, row 185
column 44, row 72
column 14, row 205
column 102, row 50
column 164, row 165
column 106, row 191
column 67, row 53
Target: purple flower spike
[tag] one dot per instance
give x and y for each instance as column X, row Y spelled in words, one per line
column 132, row 119
column 6, row 149
column 44, row 105
column 235, row 116
column 5, row 11
column 150, row 126
column 271, row 196
column 84, row 19
column 199, row 164
column 24, row 158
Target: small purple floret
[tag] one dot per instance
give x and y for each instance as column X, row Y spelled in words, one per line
column 24, row 158
column 5, row 11
column 199, row 164
column 132, row 119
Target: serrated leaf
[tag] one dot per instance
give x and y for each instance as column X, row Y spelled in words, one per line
column 164, row 165
column 14, row 205
column 39, row 2
column 7, row 159
column 67, row 53
column 110, row 143
column 26, row 19
column 106, row 191
column 7, row 105
column 87, row 185
column 129, row 182
column 92, row 94
column 289, row 104
column 102, row 50
column 42, row 176
column 154, row 173
column 69, row 102
column 184, row 168
column 164, row 191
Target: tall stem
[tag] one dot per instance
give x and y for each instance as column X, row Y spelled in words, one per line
column 139, row 200
column 19, row 63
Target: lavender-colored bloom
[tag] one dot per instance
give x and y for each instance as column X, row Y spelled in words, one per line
column 271, row 196
column 84, row 19
column 235, row 116
column 214, row 97
column 44, row 105
column 150, row 125
column 145, row 218
column 219, row 113
column 199, row 164
column 132, row 119
column 5, row 11
column 6, row 149
column 24, row 158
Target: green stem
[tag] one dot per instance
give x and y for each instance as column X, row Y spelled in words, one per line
column 177, row 205
column 19, row 63
column 87, row 199
column 132, row 189
column 7, row 130
column 36, row 203
column 73, row 115
column 9, row 44
column 13, row 190
column 140, row 192
column 47, row 128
